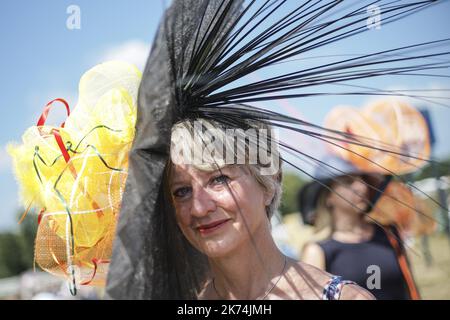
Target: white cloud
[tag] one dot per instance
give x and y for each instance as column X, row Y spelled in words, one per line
column 132, row 51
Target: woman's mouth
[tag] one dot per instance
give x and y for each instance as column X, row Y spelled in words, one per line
column 205, row 229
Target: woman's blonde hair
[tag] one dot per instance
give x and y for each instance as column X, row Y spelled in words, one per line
column 187, row 135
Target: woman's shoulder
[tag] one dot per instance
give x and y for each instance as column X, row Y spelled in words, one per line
column 304, row 281
column 313, row 283
column 311, row 272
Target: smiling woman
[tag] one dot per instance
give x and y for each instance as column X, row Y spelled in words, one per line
column 224, row 212
column 190, row 228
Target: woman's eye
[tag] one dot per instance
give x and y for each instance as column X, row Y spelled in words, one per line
column 347, row 180
column 222, row 179
column 181, row 192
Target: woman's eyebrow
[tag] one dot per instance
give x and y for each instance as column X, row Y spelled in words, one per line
column 206, row 176
column 177, row 182
column 228, row 169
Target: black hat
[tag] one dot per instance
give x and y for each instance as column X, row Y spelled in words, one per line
column 328, row 169
column 199, row 67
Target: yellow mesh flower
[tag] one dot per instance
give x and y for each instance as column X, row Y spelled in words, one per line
column 80, row 192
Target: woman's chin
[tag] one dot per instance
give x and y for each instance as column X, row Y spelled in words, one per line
column 217, row 248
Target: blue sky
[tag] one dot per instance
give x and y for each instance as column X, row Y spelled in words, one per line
column 41, row 59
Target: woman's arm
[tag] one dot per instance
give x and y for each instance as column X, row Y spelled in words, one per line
column 355, row 292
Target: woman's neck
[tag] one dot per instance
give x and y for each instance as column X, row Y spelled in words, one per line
column 248, row 272
column 352, row 228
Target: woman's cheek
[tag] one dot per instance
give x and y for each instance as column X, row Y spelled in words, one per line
column 183, row 215
column 225, row 200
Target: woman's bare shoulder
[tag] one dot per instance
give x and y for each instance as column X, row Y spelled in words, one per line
column 349, row 291
column 312, row 272
column 305, row 281
column 314, row 280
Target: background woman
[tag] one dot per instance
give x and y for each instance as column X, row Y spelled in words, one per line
column 357, row 249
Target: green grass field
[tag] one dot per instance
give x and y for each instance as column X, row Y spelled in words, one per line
column 433, row 280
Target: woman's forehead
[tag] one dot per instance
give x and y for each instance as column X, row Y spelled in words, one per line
column 183, row 172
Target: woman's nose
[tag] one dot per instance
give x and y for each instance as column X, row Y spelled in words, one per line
column 202, row 202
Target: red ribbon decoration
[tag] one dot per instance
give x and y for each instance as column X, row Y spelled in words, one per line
column 60, row 141
column 47, row 108
column 55, row 132
column 95, row 261
column 61, row 145
column 41, row 213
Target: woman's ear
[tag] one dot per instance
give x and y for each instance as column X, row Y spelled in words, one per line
column 270, row 194
column 268, row 197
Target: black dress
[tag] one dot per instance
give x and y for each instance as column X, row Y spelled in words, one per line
column 363, row 262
